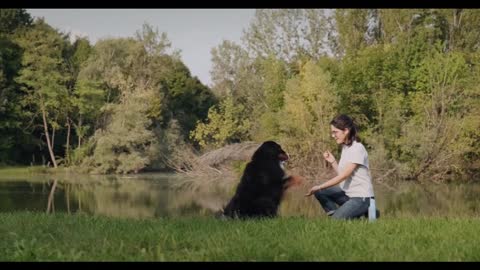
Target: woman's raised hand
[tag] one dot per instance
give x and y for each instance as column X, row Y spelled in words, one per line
column 328, row 156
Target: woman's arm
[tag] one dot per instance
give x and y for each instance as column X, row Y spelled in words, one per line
column 335, row 166
column 331, row 159
column 349, row 168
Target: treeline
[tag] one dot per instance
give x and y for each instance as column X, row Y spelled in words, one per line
column 118, row 106
column 409, row 77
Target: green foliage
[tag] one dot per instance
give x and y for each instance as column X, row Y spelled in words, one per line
column 11, row 114
column 13, row 18
column 225, row 124
column 233, row 73
column 81, row 52
column 274, row 74
column 429, row 138
column 288, row 33
column 352, row 25
column 264, row 115
column 153, row 42
column 146, row 101
column 409, row 77
column 463, row 27
column 188, row 99
column 44, row 79
column 310, row 102
column 112, row 87
column 43, row 74
column 126, row 145
column 79, row 154
column 88, row 97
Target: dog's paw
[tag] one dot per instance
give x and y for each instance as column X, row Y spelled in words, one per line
column 294, row 180
column 297, row 180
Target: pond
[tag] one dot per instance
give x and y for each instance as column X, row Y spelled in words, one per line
column 139, row 196
column 159, row 195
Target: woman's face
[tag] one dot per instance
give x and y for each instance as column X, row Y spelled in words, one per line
column 339, row 135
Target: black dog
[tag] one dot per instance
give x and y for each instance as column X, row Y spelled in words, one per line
column 262, row 185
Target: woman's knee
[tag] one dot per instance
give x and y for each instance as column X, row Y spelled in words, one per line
column 320, row 195
column 352, row 209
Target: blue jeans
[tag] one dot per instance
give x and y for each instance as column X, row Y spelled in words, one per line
column 338, row 205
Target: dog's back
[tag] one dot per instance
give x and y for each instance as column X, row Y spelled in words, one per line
column 259, row 192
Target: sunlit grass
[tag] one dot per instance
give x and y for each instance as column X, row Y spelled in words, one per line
column 60, row 237
column 22, row 171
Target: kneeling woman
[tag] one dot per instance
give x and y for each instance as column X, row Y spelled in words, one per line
column 351, row 198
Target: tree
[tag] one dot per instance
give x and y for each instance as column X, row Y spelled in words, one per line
column 126, row 144
column 86, row 95
column 352, row 27
column 396, row 25
column 187, row 99
column 81, row 52
column 144, row 90
column 88, row 98
column 310, row 103
column 274, row 73
column 430, row 141
column 12, row 19
column 154, row 42
column 288, row 33
column 10, row 111
column 463, row 25
column 226, row 123
column 230, row 67
column 118, row 70
column 43, row 76
column 274, row 76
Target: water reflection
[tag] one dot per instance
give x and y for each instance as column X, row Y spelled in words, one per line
column 158, row 195
column 149, row 195
column 404, row 200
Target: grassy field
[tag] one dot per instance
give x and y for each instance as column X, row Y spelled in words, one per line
column 39, row 237
column 22, row 171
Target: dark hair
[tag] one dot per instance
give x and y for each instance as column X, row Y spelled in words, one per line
column 342, row 122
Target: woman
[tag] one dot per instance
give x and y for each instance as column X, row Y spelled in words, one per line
column 354, row 193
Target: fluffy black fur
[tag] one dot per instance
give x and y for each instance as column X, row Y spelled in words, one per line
column 262, row 185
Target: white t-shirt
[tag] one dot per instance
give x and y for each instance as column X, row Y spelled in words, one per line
column 359, row 184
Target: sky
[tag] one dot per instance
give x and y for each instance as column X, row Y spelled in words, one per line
column 193, row 31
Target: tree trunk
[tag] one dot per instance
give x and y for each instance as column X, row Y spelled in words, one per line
column 67, row 153
column 80, row 133
column 53, row 137
column 47, row 136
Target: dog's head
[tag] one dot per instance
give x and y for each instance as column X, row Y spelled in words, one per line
column 270, row 150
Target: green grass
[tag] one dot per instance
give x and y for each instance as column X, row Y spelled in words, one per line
column 32, row 173
column 23, row 170
column 39, row 237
